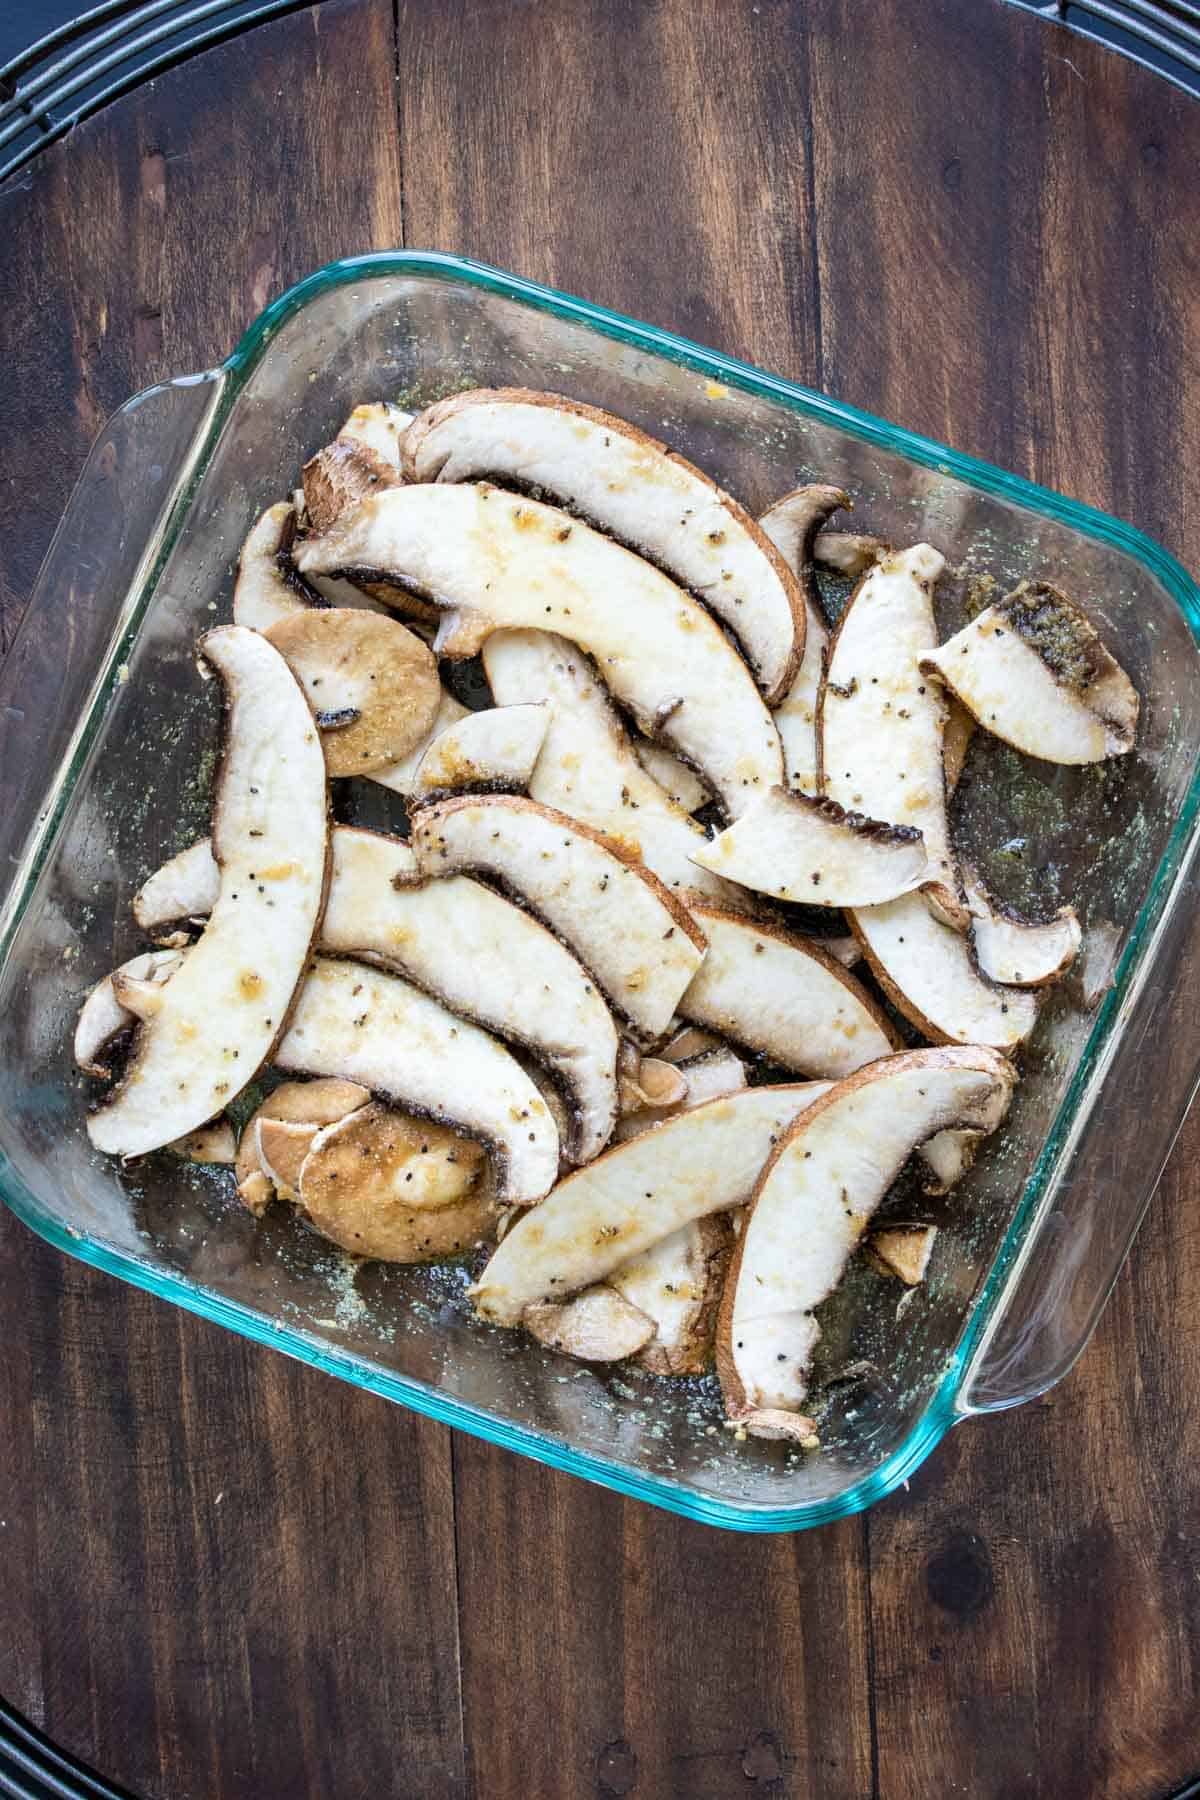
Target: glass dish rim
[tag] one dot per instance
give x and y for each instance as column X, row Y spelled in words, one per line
column 944, row 1408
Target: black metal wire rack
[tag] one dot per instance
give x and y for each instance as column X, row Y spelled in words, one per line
column 109, row 49
column 32, row 1768
column 1163, row 35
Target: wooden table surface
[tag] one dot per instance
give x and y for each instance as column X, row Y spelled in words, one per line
column 229, row 1577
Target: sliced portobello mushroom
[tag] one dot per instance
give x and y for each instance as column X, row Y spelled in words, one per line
column 225, row 1007
column 812, row 1203
column 849, row 552
column 960, row 729
column 646, row 1082
column 599, row 1325
column 105, row 1014
column 487, row 752
column 310, row 1104
column 370, row 1027
column 280, row 1150
column 627, row 483
column 373, row 685
column 705, row 1077
column 392, row 1188
column 783, row 997
column 805, row 847
column 378, row 426
column 401, row 776
column 589, row 766
column 701, row 1162
column 483, row 957
column 904, row 1251
column 1016, row 951
column 949, row 1157
column 792, row 525
column 1033, row 671
column 677, row 1283
column 492, row 559
column 340, row 475
column 213, row 1143
column 687, row 1042
column 640, row 944
column 881, row 720
column 929, row 972
column 267, row 589
column 682, row 786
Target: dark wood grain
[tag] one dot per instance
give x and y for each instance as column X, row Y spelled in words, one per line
column 227, row 1576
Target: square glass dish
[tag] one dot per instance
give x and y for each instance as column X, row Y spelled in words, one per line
column 109, row 741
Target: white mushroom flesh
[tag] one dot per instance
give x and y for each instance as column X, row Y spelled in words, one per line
column 1016, row 951
column 639, row 943
column 676, row 1284
column 792, row 525
column 783, row 997
column 928, row 972
column 700, row 1162
column 223, row 1010
column 104, row 1014
column 633, row 486
column 375, row 1029
column 589, row 767
column 598, row 1325
column 809, row 849
column 815, row 1199
column 881, row 720
column 490, row 752
column 1033, row 671
column 491, row 559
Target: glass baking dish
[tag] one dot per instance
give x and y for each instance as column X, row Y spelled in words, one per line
column 109, row 740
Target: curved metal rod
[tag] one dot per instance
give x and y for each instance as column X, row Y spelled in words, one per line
column 269, row 9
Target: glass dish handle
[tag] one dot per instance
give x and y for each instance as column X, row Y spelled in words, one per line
column 137, row 473
column 1062, row 1275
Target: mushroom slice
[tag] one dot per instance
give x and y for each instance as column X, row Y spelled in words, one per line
column 485, row 959
column 928, row 971
column 224, row 1008
column 688, row 1042
column 472, row 949
column 682, row 786
column 378, row 426
column 905, row 1250
column 401, row 776
column 677, row 1283
column 370, row 1027
column 645, row 1082
column 701, row 1162
column 848, row 552
column 880, row 720
column 307, row 1103
column 589, row 767
column 210, row 1144
column 1014, row 950
column 782, row 996
column 792, row 525
column 185, row 887
column 808, row 848
column 281, row 1150
column 641, row 946
column 1033, row 671
column 491, row 559
column 598, row 1325
column 104, row 1014
column 628, row 484
column 813, row 1201
column 373, row 686
column 342, row 474
column 717, row 1072
column 360, row 1182
column 487, row 752
column 960, row 729
column 267, row 588
column 949, row 1157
